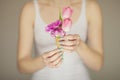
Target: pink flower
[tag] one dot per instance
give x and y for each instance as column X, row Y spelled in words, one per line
column 58, row 33
column 67, row 12
column 61, row 26
column 67, row 23
column 53, row 26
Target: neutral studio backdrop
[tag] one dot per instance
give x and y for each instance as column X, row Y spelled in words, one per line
column 9, row 11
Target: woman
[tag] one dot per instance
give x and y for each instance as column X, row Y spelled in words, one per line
column 83, row 45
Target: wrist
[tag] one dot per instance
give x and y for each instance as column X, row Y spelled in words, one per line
column 42, row 60
column 81, row 47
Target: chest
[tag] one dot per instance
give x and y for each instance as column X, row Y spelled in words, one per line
column 50, row 14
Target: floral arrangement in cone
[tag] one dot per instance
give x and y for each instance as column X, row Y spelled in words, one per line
column 59, row 28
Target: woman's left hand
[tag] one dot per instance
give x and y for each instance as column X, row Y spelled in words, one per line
column 70, row 42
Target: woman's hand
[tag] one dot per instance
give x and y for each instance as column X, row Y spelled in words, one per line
column 53, row 58
column 70, row 42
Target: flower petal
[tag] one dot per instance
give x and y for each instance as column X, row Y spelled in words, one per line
column 67, row 23
column 67, row 12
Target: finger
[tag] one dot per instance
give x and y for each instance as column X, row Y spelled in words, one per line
column 60, row 62
column 51, row 53
column 57, row 61
column 43, row 56
column 78, row 40
column 76, row 36
column 46, row 55
column 47, row 64
column 51, row 66
column 67, row 37
column 70, row 48
column 54, row 57
column 69, row 43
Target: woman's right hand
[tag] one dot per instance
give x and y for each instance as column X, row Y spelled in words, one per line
column 53, row 58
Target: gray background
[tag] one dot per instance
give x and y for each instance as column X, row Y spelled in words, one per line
column 9, row 11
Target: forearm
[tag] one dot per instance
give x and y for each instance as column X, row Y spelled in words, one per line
column 30, row 65
column 90, row 57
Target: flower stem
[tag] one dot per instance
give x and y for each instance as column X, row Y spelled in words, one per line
column 57, row 41
column 60, row 17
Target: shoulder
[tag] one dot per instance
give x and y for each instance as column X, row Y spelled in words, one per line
column 92, row 2
column 93, row 5
column 27, row 11
column 28, row 8
column 93, row 9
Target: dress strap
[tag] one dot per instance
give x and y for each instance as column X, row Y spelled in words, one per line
column 84, row 6
column 83, row 12
column 36, row 8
